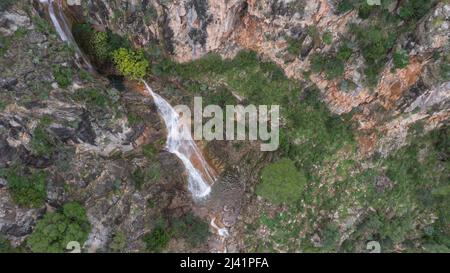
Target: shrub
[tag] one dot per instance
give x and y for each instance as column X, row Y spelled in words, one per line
column 141, row 176
column 42, row 143
column 293, row 45
column 157, row 240
column 365, row 10
column 401, row 59
column 415, row 9
column 149, row 151
column 134, row 119
column 118, row 242
column 63, row 75
column 192, row 228
column 344, row 53
column 42, row 25
column 91, row 96
column 98, row 45
column 131, row 63
column 281, row 182
column 332, row 66
column 26, row 190
column 375, row 43
column 5, row 4
column 56, row 229
column 5, row 245
column 327, row 38
column 344, row 6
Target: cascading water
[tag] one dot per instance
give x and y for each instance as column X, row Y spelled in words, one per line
column 62, row 27
column 179, row 138
column 180, row 143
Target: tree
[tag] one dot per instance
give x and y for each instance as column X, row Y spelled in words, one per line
column 56, row 229
column 281, row 182
column 131, row 63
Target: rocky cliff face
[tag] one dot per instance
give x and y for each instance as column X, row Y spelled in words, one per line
column 80, row 144
column 96, row 156
column 190, row 29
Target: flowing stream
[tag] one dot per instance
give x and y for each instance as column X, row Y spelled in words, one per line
column 179, row 138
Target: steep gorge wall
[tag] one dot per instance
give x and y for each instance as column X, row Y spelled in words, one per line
column 189, row 29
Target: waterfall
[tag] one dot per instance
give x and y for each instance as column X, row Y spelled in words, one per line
column 179, row 138
column 63, row 29
column 180, row 143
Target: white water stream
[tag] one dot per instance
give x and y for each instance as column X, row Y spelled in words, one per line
column 180, row 143
column 179, row 139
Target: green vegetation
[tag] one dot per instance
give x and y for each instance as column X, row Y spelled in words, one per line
column 332, row 66
column 7, row 41
column 27, row 189
column 311, row 132
column 415, row 9
column 98, row 45
column 281, row 182
column 149, row 151
column 144, row 175
column 294, row 45
column 56, row 229
column 327, row 38
column 344, row 6
column 344, row 53
column 92, row 97
column 118, row 242
column 375, row 43
column 5, row 4
column 445, row 68
column 42, row 143
column 134, row 119
column 401, row 59
column 42, row 25
column 157, row 240
column 190, row 227
column 63, row 75
column 377, row 35
column 131, row 63
column 5, row 245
